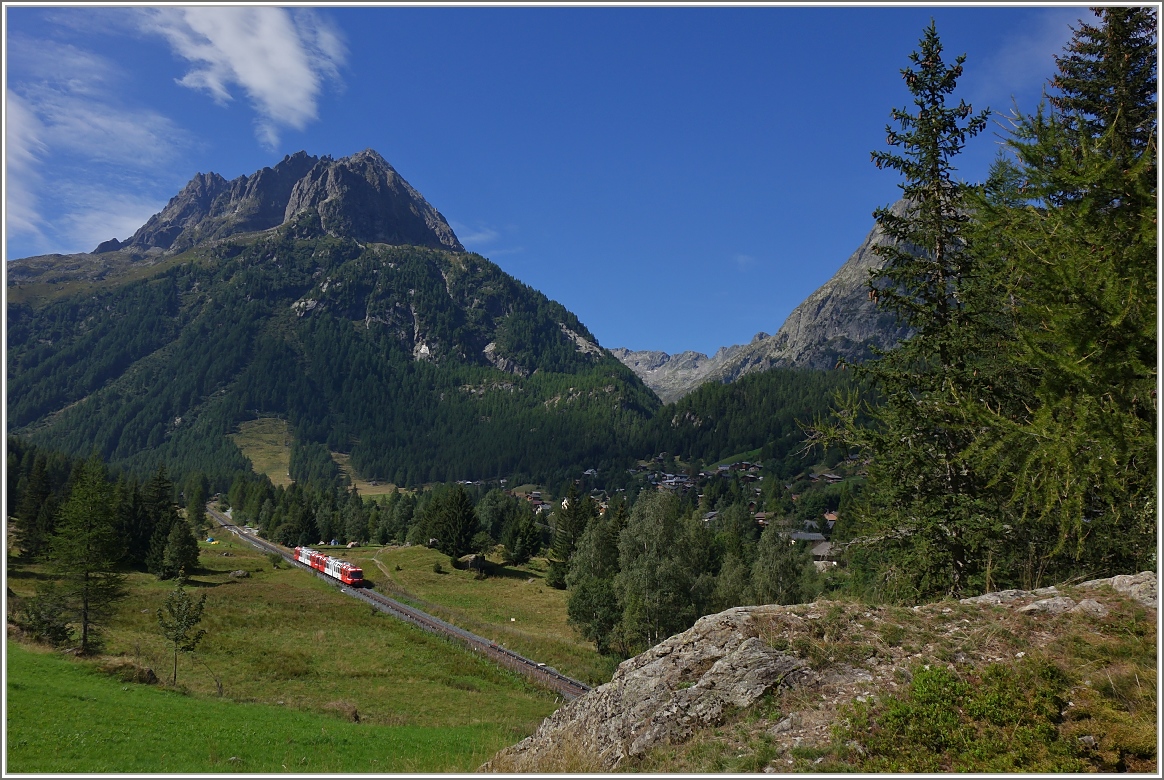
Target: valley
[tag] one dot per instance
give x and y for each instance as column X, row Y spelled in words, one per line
column 915, row 530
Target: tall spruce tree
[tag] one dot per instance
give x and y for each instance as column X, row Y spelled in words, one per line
column 181, row 553
column 85, row 553
column 161, row 512
column 455, row 523
column 927, row 521
column 33, row 522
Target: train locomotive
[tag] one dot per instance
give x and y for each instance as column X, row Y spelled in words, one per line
column 347, row 573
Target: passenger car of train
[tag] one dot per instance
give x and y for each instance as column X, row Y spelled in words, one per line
column 347, row 573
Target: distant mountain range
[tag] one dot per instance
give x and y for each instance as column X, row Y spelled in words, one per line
column 837, row 321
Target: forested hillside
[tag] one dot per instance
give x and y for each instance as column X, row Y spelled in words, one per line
column 423, row 364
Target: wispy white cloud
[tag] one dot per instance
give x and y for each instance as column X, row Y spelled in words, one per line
column 744, row 262
column 99, row 213
column 479, row 236
column 278, row 58
column 1023, row 62
column 23, row 147
column 486, row 240
column 67, row 121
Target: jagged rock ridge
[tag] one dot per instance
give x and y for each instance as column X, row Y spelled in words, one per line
column 360, row 197
column 837, row 321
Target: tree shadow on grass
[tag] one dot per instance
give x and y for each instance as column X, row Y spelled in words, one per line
column 500, row 570
column 25, row 574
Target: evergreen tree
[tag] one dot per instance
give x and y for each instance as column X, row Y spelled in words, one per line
column 455, row 523
column 196, row 497
column 33, row 524
column 181, row 553
column 1075, row 441
column 570, row 522
column 85, row 552
column 927, row 516
column 523, row 538
column 162, row 513
column 178, row 620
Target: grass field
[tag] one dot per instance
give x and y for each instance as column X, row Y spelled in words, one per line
column 66, row 717
column 267, row 442
column 280, row 641
column 514, row 607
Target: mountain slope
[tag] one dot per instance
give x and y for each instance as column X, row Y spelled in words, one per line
column 422, row 362
column 837, row 321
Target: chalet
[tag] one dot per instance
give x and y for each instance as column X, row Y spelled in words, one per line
column 822, row 556
column 806, row 536
column 762, row 519
column 830, row 517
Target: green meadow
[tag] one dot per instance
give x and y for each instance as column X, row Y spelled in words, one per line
column 513, row 607
column 291, row 674
column 65, row 716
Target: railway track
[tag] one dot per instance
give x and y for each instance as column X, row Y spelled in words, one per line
column 538, row 672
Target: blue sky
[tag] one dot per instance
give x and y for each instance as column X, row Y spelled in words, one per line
column 680, row 178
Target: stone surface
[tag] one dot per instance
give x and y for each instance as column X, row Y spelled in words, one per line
column 360, row 197
column 839, row 320
column 1143, row 587
column 692, row 681
column 1091, row 607
column 1052, row 606
column 661, row 696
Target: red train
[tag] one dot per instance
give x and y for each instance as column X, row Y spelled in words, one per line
column 345, row 572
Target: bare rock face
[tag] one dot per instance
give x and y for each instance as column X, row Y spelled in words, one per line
column 211, row 207
column 363, row 197
column 663, row 695
column 360, row 197
column 837, row 321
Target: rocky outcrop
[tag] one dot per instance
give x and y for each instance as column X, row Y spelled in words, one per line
column 814, row 659
column 837, row 321
column 211, row 207
column 363, row 197
column 663, row 695
column 360, row 197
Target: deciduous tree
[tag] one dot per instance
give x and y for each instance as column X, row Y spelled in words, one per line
column 178, row 619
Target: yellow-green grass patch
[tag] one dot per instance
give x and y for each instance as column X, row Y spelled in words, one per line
column 267, row 442
column 64, row 716
column 513, row 606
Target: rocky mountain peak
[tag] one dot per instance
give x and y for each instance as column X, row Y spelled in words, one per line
column 363, row 197
column 360, row 197
column 837, row 321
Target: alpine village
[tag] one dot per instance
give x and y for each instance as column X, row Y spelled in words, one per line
column 297, row 484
